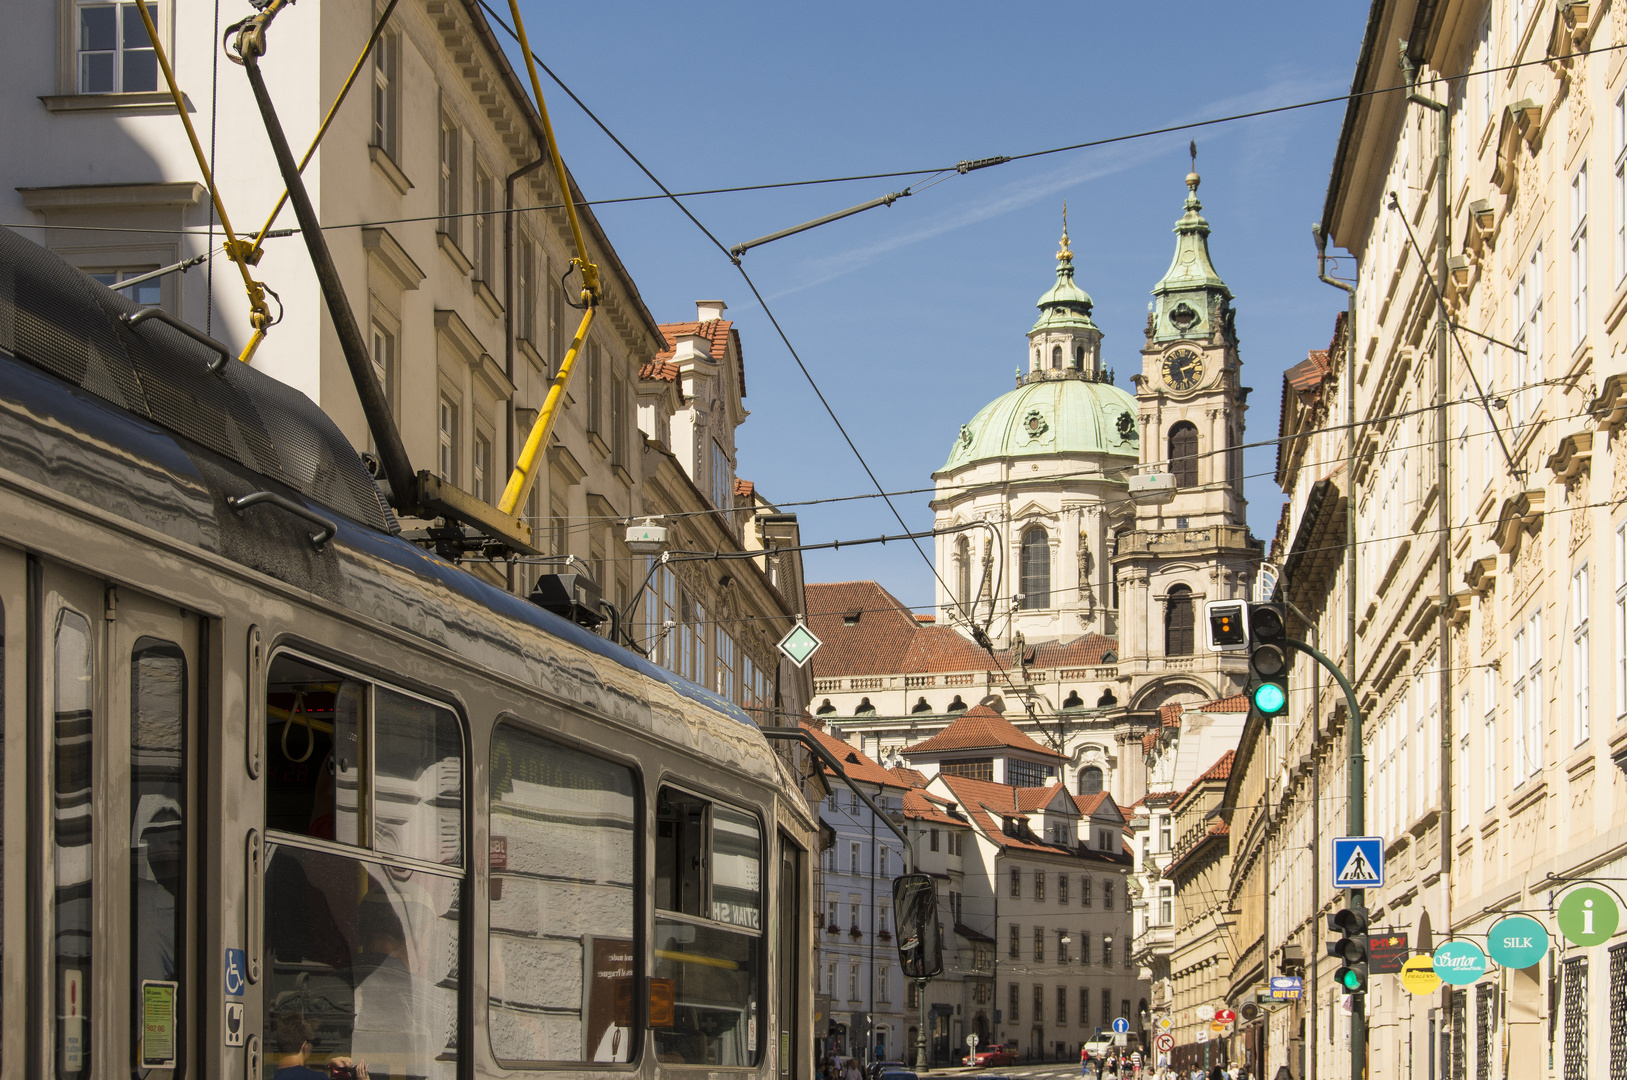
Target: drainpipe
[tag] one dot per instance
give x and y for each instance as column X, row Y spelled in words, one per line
column 508, row 321
column 1319, row 233
column 1409, row 68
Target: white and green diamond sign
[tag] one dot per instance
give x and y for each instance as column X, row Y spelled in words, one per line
column 800, row 644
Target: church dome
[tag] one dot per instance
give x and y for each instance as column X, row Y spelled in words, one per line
column 1052, row 412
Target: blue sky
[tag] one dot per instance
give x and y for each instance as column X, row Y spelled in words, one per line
column 912, row 317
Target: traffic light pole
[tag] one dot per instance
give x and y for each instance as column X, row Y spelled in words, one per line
column 1356, row 787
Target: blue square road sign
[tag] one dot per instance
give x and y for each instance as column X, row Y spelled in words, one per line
column 1358, row 862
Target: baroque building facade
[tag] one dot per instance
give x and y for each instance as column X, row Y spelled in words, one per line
column 1495, row 711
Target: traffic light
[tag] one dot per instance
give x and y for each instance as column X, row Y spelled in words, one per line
column 1268, row 660
column 1228, row 625
column 1351, row 949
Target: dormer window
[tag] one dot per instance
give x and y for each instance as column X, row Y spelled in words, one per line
column 850, row 618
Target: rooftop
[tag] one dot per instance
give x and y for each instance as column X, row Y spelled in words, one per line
column 981, row 728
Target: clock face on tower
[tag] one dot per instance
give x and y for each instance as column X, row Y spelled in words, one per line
column 1182, row 368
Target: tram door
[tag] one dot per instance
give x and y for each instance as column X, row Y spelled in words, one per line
column 112, row 792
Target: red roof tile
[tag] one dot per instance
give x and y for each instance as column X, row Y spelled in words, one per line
column 919, row 807
column 868, row 631
column 855, row 762
column 662, row 370
column 989, row 804
column 744, row 488
column 1235, row 703
column 906, row 775
column 1221, row 769
column 1170, row 715
column 1148, row 741
column 980, row 728
column 718, row 331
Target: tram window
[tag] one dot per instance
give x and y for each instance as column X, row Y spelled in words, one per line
column 313, row 773
column 417, row 779
column 74, row 726
column 563, row 867
column 363, row 962
column 158, row 802
column 708, row 859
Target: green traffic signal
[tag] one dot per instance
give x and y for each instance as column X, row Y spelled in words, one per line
column 1353, row 979
column 1270, row 691
column 1269, row 699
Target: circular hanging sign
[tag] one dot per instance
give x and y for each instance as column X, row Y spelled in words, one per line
column 1588, row 916
column 1225, row 1016
column 1206, row 1012
column 1217, row 1027
column 1418, row 976
column 1460, row 962
column 1517, row 941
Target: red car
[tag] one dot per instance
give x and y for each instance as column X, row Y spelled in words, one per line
column 994, row 1055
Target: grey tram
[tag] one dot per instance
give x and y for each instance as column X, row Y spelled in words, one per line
column 280, row 788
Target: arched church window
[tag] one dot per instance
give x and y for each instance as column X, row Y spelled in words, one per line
column 1078, row 357
column 864, row 708
column 921, row 706
column 1073, row 700
column 1107, row 700
column 1090, row 780
column 1183, row 454
column 1178, row 621
column 963, row 575
column 1056, row 357
column 826, row 709
column 1036, row 570
column 957, row 705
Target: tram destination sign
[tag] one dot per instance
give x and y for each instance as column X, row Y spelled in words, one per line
column 1387, row 952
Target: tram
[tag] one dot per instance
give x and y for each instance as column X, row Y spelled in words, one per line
column 281, row 790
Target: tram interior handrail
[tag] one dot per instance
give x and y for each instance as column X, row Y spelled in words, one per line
column 329, row 527
column 148, row 314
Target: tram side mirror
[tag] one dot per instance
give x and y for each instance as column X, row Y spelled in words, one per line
column 663, row 1013
column 920, row 946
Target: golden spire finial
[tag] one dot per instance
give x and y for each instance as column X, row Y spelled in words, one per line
column 1064, row 253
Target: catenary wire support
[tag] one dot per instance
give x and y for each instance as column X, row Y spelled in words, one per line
column 886, row 200
column 259, row 313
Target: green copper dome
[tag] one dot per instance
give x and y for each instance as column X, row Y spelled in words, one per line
column 1050, row 415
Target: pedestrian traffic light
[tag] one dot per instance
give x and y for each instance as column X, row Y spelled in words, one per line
column 1268, row 660
column 1351, row 949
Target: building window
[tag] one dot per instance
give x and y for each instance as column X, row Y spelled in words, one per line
column 1062, row 946
column 1528, row 701
column 1107, row 894
column 1062, row 889
column 525, row 292
column 1028, row 773
column 722, row 488
column 383, row 350
column 932, row 837
column 883, row 982
column 1579, row 256
column 1178, row 622
column 1085, row 899
column 386, row 95
column 1620, row 200
column 1039, row 1006
column 115, row 55
column 1621, row 620
column 1016, row 884
column 1039, row 884
column 1488, row 749
column 595, row 387
column 484, row 246
column 853, row 861
column 482, row 467
column 1581, row 676
column 1107, row 1006
column 146, row 293
column 1039, row 943
column 830, row 978
column 1084, row 947
column 618, row 422
column 1165, row 833
column 1062, row 1005
column 1016, row 941
column 1090, row 780
column 1528, row 336
column 963, row 575
column 1084, row 1007
column 451, row 178
column 1036, row 570
column 1107, row 950
column 1166, row 905
column 1576, row 1009
column 448, row 436
column 1183, row 454
column 853, row 981
column 1011, row 1000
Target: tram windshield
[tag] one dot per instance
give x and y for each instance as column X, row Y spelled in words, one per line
column 708, row 930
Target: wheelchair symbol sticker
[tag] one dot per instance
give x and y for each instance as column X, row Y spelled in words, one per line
column 237, row 967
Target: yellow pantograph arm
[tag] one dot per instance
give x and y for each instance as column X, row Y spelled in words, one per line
column 525, row 467
column 367, row 50
column 259, row 314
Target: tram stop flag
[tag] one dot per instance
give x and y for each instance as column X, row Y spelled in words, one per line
column 1358, row 862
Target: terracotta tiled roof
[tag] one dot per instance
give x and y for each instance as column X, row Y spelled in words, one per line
column 1220, row 828
column 1170, row 715
column 662, row 370
column 1307, row 375
column 980, row 728
column 908, row 776
column 744, row 488
column 885, row 638
column 1235, row 703
column 1221, row 769
column 988, row 804
column 919, row 807
column 854, row 761
column 1160, row 798
column 717, row 331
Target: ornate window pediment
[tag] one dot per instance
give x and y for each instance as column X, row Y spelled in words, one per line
column 1520, row 514
column 1522, row 121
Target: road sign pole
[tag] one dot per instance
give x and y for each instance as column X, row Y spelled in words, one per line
column 1356, row 788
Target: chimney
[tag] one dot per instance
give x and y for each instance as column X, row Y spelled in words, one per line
column 709, row 309
column 689, row 348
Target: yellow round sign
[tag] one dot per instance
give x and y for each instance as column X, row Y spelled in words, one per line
column 1217, row 1027
column 1418, row 976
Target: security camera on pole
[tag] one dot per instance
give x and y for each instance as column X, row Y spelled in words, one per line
column 1260, row 630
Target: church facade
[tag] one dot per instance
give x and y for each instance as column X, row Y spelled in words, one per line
column 1082, row 526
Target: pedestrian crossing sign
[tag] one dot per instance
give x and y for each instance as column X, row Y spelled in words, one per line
column 1358, row 862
